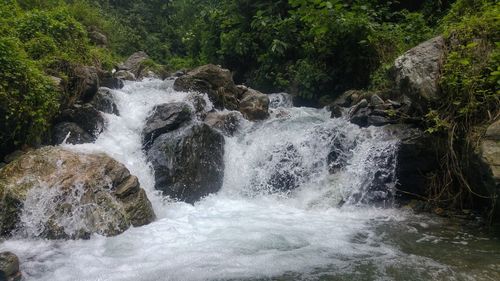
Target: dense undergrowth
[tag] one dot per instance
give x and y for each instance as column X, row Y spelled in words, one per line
column 470, row 101
column 36, row 38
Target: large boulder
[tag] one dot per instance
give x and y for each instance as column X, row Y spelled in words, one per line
column 134, row 64
column 188, row 163
column 57, row 194
column 416, row 73
column 213, row 80
column 105, row 102
column 254, row 105
column 165, row 118
column 9, row 267
column 86, row 117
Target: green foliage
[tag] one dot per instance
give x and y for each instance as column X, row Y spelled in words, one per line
column 310, row 47
column 470, row 79
column 36, row 37
column 28, row 99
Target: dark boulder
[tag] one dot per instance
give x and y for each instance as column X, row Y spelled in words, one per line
column 9, row 267
column 104, row 101
column 165, row 118
column 77, row 135
column 86, row 116
column 212, row 80
column 417, row 159
column 188, row 162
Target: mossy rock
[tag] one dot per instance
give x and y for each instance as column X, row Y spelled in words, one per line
column 57, row 193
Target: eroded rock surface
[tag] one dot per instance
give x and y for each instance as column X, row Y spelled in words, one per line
column 57, row 193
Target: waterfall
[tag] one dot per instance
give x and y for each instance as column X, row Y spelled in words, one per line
column 298, row 197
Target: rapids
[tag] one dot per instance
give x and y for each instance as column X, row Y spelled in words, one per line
column 337, row 223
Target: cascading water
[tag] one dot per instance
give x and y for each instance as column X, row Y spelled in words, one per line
column 297, row 203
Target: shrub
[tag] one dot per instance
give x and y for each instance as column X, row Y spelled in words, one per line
column 28, row 99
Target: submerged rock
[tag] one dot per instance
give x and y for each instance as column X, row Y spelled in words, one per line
column 165, row 118
column 188, row 162
column 212, row 80
column 57, row 193
column 287, row 172
column 9, row 267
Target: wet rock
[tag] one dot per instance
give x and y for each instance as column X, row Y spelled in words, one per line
column 199, row 104
column 417, row 159
column 361, row 104
column 212, row 80
column 375, row 120
column 277, row 100
column 84, row 116
column 340, row 152
column 286, row 166
column 351, row 98
column 124, row 75
column 77, row 135
column 109, row 81
column 9, row 267
column 336, row 111
column 360, row 117
column 179, row 73
column 188, row 162
column 134, row 64
column 227, row 122
column 72, row 194
column 254, row 105
column 165, row 118
column 376, row 101
column 416, row 73
column 105, row 102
